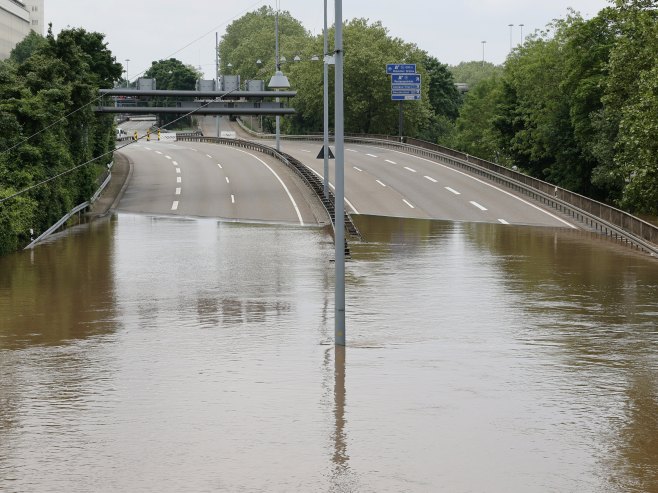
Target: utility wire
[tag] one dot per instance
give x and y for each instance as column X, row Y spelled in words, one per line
column 71, row 170
column 26, row 139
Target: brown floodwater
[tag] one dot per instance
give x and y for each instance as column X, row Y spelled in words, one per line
column 159, row 354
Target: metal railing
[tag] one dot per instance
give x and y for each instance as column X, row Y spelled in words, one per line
column 75, row 210
column 307, row 176
column 603, row 218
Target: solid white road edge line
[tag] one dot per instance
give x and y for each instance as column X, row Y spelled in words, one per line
column 406, row 202
column 490, row 185
column 380, row 183
column 299, row 214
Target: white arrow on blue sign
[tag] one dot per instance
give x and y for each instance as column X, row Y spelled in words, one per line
column 401, row 68
column 405, row 79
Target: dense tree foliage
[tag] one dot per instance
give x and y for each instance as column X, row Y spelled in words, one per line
column 368, row 48
column 47, row 125
column 576, row 105
column 473, row 72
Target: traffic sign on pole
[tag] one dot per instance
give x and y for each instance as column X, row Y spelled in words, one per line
column 401, row 68
column 405, row 87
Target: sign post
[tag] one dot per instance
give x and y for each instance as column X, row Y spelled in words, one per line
column 405, row 86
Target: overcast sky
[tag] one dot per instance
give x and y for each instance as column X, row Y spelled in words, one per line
column 452, row 31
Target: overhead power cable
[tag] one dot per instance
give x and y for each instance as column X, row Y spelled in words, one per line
column 74, row 168
column 27, row 139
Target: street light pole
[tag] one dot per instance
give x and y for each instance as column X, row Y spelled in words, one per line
column 339, row 329
column 483, row 43
column 278, row 121
column 521, row 26
column 326, row 105
column 511, row 26
column 127, row 78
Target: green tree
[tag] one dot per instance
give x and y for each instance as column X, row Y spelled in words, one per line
column 47, row 125
column 252, row 37
column 172, row 74
column 475, row 126
column 30, row 44
column 473, row 72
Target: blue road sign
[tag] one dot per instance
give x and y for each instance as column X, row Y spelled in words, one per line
column 405, row 79
column 401, row 68
column 405, row 97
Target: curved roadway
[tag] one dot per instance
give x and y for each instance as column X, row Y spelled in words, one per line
column 208, row 180
column 386, row 182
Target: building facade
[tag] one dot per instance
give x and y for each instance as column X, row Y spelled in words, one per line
column 17, row 18
column 35, row 9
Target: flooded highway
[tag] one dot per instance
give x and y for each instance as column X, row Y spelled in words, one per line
column 148, row 353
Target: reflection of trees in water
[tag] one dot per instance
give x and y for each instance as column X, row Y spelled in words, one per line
column 58, row 291
column 637, row 461
column 597, row 303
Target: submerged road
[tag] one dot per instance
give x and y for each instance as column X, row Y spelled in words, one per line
column 207, row 180
column 210, row 180
column 386, row 182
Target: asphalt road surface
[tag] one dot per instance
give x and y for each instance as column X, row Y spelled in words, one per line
column 209, row 180
column 386, row 182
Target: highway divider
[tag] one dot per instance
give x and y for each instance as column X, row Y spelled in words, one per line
column 311, row 179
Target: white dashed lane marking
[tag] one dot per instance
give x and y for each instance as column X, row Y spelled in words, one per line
column 174, row 206
column 179, row 180
column 452, row 190
column 220, row 166
column 178, row 191
column 358, row 169
column 408, row 203
column 481, row 207
column 410, row 169
column 381, row 183
column 178, row 171
column 430, row 179
column 232, row 199
column 502, row 221
column 227, row 180
column 391, row 162
column 371, row 155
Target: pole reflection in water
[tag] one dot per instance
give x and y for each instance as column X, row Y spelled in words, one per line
column 341, row 458
column 151, row 354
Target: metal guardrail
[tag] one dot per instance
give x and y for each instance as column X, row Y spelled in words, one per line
column 603, row 218
column 75, row 210
column 305, row 173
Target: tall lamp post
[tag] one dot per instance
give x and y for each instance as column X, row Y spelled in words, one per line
column 521, row 26
column 326, row 106
column 278, row 81
column 339, row 329
column 127, row 78
column 511, row 26
column 483, row 43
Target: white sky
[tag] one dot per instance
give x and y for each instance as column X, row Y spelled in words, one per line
column 452, row 31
